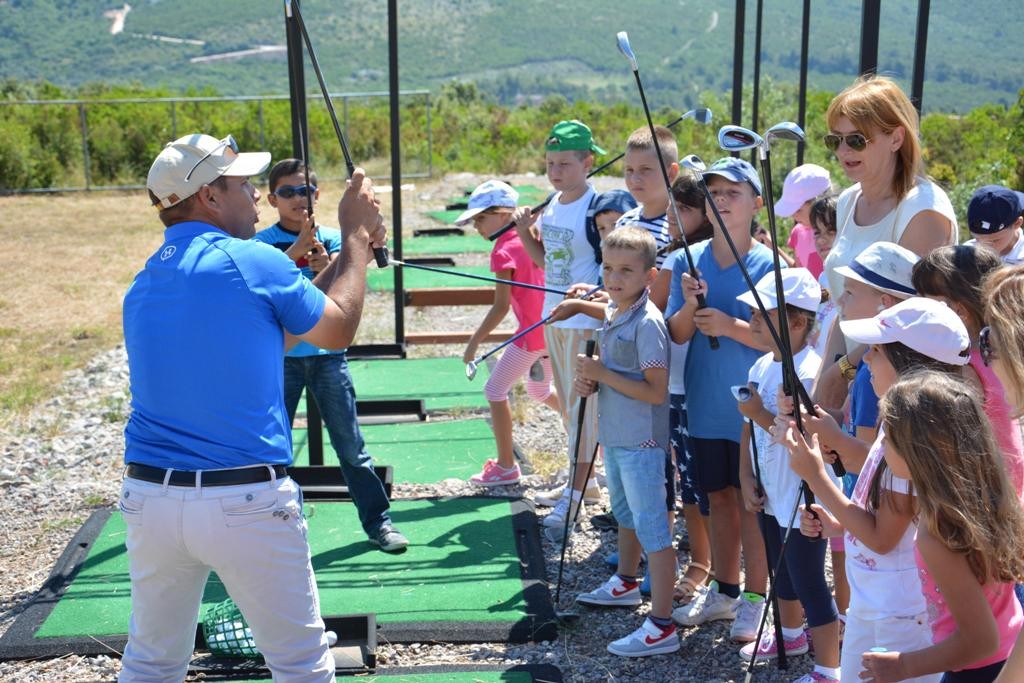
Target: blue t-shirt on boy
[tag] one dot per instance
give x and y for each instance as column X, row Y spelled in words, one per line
column 710, row 374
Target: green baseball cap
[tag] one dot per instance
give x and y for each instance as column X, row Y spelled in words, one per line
column 571, row 135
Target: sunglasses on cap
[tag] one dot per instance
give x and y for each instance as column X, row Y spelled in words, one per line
column 289, row 191
column 988, row 351
column 228, row 142
column 855, row 141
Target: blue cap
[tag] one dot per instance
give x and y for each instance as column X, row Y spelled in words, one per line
column 737, row 170
column 993, row 208
column 619, row 201
column 488, row 195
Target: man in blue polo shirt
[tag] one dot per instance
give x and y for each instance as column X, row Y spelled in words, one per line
column 206, row 325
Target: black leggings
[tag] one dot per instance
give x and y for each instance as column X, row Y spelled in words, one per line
column 802, row 574
column 985, row 674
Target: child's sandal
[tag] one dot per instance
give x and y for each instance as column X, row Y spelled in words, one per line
column 687, row 587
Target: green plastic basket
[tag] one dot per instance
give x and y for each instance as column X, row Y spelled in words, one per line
column 226, row 632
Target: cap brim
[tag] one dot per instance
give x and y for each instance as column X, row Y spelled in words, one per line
column 787, row 206
column 732, row 177
column 467, row 215
column 866, row 331
column 248, row 164
column 847, row 272
column 597, row 150
column 769, row 300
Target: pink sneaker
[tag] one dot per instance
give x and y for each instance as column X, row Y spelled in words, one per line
column 494, row 474
column 769, row 649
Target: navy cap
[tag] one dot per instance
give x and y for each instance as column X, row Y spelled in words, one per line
column 619, row 201
column 737, row 170
column 993, row 208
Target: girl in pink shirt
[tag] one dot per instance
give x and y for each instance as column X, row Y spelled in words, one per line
column 490, row 207
column 954, row 276
column 970, row 529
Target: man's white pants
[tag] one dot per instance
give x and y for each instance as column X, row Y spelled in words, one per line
column 254, row 537
column 563, row 345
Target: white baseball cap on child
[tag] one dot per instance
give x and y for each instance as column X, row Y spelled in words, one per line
column 885, row 266
column 798, row 287
column 190, row 162
column 802, row 183
column 487, row 195
column 925, row 325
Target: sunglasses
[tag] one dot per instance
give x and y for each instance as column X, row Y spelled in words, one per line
column 289, row 191
column 855, row 141
column 228, row 142
column 988, row 351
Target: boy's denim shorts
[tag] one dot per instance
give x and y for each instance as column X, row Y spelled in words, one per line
column 636, row 486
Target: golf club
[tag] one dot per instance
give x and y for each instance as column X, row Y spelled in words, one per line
column 627, row 52
column 446, row 271
column 380, row 254
column 702, row 116
column 693, row 162
column 472, row 365
column 591, row 346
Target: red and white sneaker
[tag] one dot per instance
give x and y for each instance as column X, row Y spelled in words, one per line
column 494, row 474
column 649, row 639
column 769, row 648
column 613, row 593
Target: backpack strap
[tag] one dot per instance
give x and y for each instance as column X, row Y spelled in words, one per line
column 593, row 236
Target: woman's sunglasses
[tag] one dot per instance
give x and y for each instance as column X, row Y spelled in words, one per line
column 289, row 191
column 988, row 352
column 854, row 141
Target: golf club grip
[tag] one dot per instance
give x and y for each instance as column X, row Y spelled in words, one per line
column 702, row 303
column 380, row 255
column 591, row 347
column 838, row 466
column 512, row 224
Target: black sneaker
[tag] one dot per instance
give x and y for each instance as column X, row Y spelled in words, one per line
column 390, row 539
column 604, row 522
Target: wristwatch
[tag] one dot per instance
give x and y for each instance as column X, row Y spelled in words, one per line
column 847, row 370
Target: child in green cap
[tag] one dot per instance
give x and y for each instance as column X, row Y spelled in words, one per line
column 560, row 245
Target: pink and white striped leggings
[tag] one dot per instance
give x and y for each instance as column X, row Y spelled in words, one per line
column 514, row 364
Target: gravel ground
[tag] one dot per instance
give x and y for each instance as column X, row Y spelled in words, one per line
column 64, row 460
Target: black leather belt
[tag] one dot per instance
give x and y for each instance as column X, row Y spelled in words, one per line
column 247, row 475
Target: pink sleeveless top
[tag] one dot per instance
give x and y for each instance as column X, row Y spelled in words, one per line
column 1000, row 597
column 1006, row 429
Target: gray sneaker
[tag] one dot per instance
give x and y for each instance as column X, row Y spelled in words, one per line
column 713, row 607
column 389, row 539
column 748, row 617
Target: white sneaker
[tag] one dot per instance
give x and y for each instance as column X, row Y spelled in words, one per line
column 556, row 518
column 713, row 607
column 748, row 616
column 613, row 593
column 548, row 499
column 649, row 639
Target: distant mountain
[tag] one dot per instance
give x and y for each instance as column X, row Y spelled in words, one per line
column 515, row 50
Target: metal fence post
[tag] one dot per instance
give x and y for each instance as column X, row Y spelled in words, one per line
column 430, row 142
column 344, row 115
column 86, row 163
column 174, row 121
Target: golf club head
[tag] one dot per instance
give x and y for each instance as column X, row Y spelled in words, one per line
column 693, row 162
column 471, row 370
column 738, row 139
column 787, row 130
column 741, row 393
column 623, row 38
column 702, row 116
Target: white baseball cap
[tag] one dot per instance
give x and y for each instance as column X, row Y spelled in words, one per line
column 885, row 266
column 488, row 195
column 925, row 325
column 802, row 183
column 799, row 288
column 188, row 163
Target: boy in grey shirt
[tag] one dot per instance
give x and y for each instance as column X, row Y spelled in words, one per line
column 631, row 379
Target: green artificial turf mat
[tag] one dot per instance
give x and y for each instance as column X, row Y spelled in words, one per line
column 382, row 279
column 419, row 452
column 448, row 217
column 429, row 245
column 462, row 565
column 440, row 382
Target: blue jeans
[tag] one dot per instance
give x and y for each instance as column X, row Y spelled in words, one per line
column 328, row 380
column 636, row 486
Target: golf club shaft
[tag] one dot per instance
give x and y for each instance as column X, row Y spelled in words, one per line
column 762, row 521
column 540, row 207
column 484, row 278
column 380, row 254
column 701, row 301
column 591, row 345
column 531, row 328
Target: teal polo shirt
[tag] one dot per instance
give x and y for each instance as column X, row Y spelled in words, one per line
column 204, row 326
